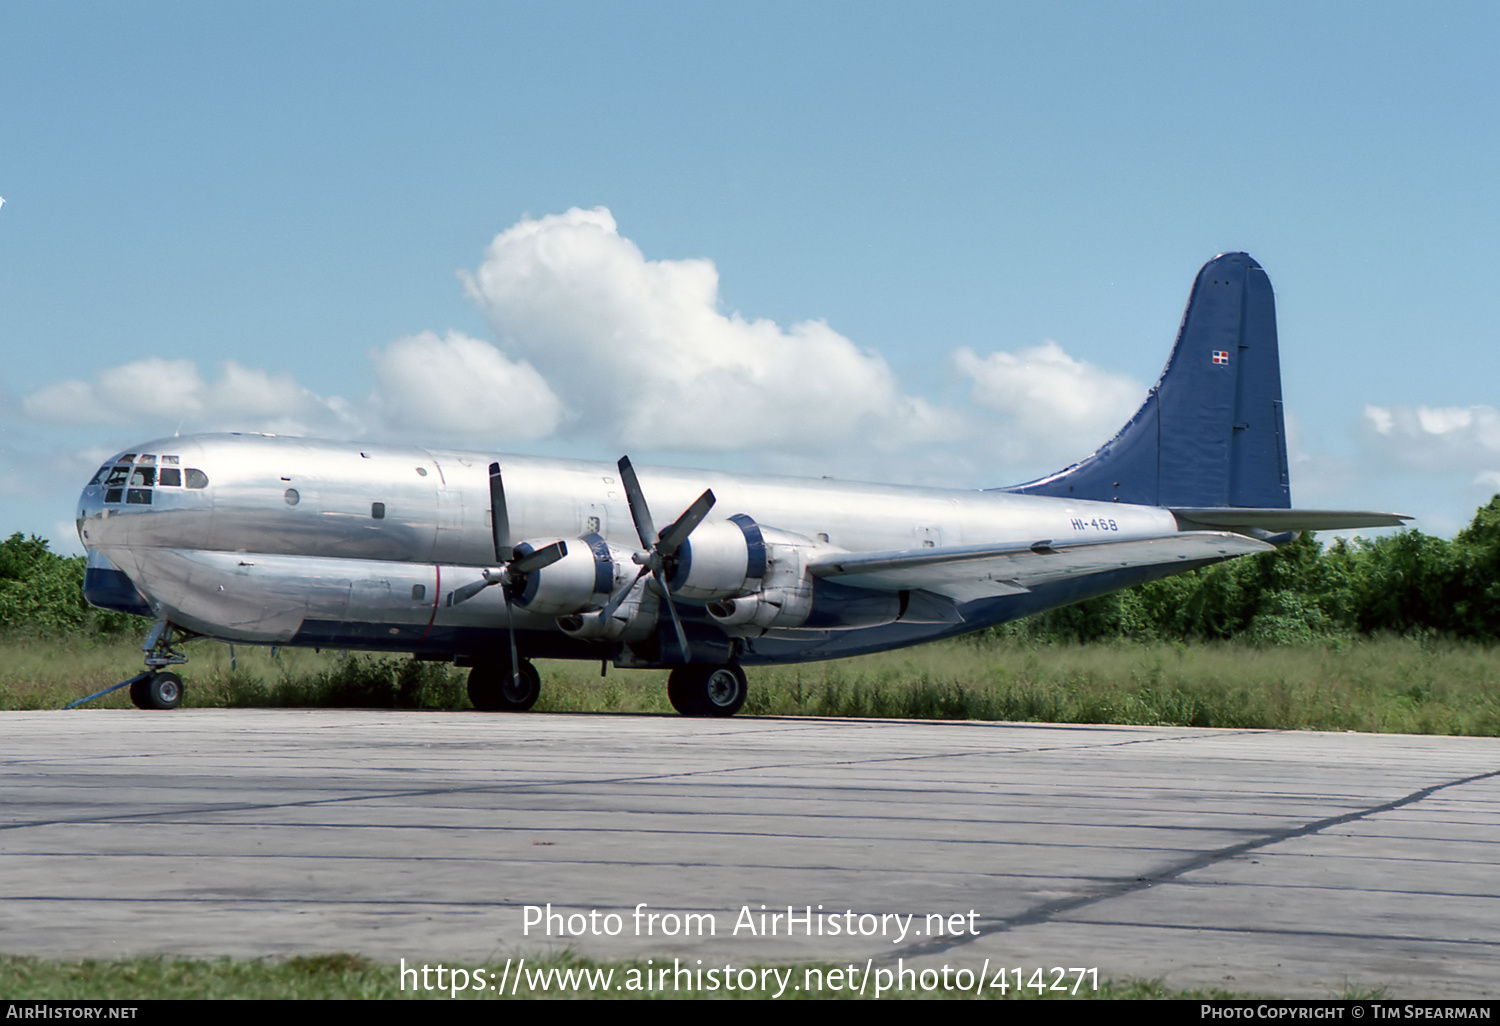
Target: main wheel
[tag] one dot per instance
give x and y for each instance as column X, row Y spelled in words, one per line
column 158, row 691
column 682, row 690
column 493, row 688
column 707, row 690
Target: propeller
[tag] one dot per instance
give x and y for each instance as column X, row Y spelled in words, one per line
column 511, row 574
column 657, row 550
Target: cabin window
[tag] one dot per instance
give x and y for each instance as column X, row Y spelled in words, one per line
column 196, row 478
column 377, row 510
column 291, row 496
column 418, row 592
column 169, row 477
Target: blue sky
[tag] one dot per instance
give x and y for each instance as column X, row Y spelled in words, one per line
column 939, row 244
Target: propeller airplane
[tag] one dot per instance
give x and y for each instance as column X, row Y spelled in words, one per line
column 493, row 561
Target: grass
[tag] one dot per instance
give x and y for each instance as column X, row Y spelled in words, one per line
column 343, row 977
column 1390, row 685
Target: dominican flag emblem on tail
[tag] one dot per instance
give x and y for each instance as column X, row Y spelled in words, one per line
column 1220, row 356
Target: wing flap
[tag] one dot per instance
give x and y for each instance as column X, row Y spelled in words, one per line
column 969, row 572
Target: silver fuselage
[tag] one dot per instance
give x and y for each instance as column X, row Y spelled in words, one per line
column 291, row 541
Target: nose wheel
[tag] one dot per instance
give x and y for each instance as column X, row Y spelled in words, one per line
column 707, row 690
column 157, row 691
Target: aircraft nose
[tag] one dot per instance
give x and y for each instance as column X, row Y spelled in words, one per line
column 90, row 510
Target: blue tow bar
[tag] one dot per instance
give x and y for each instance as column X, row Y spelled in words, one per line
column 113, row 687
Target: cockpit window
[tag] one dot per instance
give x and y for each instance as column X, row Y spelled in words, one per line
column 169, row 477
column 117, row 476
column 100, row 476
column 196, row 478
column 147, row 458
column 169, row 460
column 143, row 477
column 139, row 496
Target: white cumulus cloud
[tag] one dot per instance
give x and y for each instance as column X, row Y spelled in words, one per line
column 167, row 393
column 462, row 386
column 1053, row 407
column 639, row 351
column 1443, row 438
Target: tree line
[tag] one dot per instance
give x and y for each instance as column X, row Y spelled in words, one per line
column 1405, row 583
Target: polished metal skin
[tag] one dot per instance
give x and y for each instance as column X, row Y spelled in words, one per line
column 293, row 541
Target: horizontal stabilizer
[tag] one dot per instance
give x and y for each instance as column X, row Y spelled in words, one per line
column 968, row 572
column 1276, row 520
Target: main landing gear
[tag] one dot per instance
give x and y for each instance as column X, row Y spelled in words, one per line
column 707, row 690
column 494, row 688
column 693, row 690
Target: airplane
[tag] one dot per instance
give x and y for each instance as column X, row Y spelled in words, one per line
column 491, row 561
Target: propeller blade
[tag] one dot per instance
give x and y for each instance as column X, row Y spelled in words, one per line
column 467, row 592
column 673, row 537
column 499, row 517
column 639, row 511
column 510, row 629
column 687, row 655
column 619, row 596
column 541, row 557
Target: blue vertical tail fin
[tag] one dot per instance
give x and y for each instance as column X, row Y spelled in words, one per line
column 1210, row 433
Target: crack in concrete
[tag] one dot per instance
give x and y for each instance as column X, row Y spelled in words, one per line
column 1048, row 911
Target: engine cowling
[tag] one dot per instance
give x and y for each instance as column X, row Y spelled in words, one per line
column 719, row 560
column 583, row 578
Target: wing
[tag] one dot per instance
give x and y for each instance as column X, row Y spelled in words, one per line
column 967, row 572
column 1276, row 520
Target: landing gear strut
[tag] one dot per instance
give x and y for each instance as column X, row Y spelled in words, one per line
column 157, row 689
column 707, row 690
column 494, row 688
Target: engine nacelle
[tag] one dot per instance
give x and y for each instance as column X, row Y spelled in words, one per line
column 784, row 596
column 584, row 577
column 633, row 620
column 719, row 560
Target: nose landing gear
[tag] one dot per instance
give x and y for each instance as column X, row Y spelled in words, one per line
column 157, row 689
column 152, row 688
